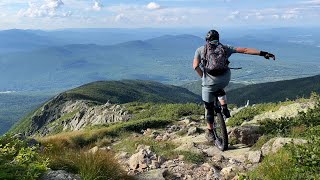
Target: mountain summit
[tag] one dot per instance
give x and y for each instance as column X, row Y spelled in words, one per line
column 96, row 103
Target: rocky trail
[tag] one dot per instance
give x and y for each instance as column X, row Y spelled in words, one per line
column 188, row 135
column 239, row 158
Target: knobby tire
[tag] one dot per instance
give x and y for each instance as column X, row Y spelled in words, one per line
column 221, row 132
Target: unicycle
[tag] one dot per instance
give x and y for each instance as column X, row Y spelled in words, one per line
column 219, row 127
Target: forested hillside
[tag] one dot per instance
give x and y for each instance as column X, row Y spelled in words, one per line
column 275, row 91
column 15, row 106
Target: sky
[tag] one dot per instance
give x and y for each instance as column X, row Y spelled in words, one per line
column 60, row 14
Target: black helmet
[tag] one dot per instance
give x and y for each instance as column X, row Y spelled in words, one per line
column 212, row 35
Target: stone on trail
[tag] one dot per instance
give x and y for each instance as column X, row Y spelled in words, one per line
column 254, row 156
column 275, row 144
column 156, row 174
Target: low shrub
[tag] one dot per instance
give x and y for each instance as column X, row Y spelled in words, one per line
column 291, row 162
column 18, row 161
column 162, row 148
column 99, row 165
column 192, row 157
column 164, row 111
column 298, row 126
column 248, row 113
column 306, row 158
column 276, row 166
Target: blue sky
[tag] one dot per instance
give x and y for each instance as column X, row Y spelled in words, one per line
column 57, row 14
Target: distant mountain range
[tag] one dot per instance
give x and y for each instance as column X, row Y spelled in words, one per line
column 46, row 60
column 72, row 65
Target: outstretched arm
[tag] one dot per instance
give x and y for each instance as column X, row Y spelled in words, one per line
column 255, row 52
column 196, row 67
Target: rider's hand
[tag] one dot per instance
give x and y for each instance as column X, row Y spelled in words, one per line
column 267, row 55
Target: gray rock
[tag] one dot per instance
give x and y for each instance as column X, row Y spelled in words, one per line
column 154, row 164
column 94, row 150
column 247, row 135
column 192, row 131
column 228, row 172
column 59, row 175
column 156, row 174
column 161, row 159
column 19, row 136
column 165, row 137
column 218, row 158
column 212, row 151
column 142, row 159
column 266, row 148
column 275, row 144
column 189, row 146
column 254, row 156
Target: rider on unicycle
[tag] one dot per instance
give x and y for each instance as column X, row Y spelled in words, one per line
column 215, row 74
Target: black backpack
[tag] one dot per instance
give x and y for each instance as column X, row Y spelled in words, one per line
column 215, row 60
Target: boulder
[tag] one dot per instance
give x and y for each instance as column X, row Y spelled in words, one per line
column 156, row 174
column 254, row 156
column 275, row 144
column 144, row 159
column 192, row 131
column 59, row 175
column 212, row 151
column 247, row 135
column 189, row 146
column 228, row 172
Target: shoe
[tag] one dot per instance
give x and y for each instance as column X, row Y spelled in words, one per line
column 210, row 136
column 226, row 112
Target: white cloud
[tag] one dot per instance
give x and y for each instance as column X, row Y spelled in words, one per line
column 312, row 2
column 153, row 6
column 49, row 8
column 121, row 18
column 234, row 15
column 97, row 5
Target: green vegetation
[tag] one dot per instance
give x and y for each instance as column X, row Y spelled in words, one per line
column 248, row 113
column 146, row 115
column 261, row 141
column 299, row 126
column 99, row 165
column 130, row 91
column 166, row 111
column 293, row 161
column 19, row 161
column 192, row 157
column 275, row 91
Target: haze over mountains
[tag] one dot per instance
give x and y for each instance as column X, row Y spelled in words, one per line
column 37, row 62
column 45, row 60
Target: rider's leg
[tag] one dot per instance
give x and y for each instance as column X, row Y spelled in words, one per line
column 223, row 102
column 209, row 115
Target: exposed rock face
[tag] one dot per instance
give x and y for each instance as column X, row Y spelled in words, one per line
column 144, row 159
column 290, row 110
column 96, row 115
column 275, row 144
column 254, row 156
column 59, row 175
column 248, row 135
column 60, row 115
